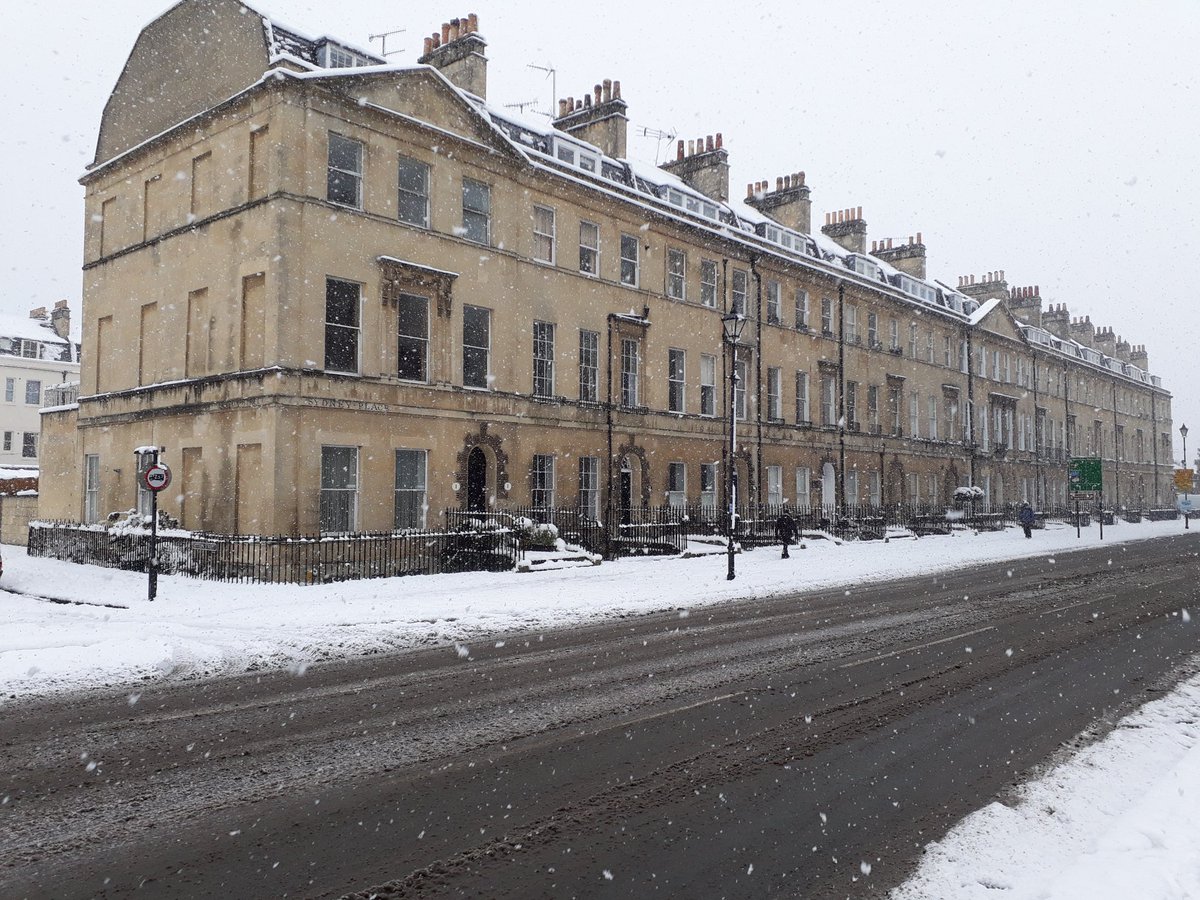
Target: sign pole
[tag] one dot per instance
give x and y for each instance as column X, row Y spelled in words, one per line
column 1077, row 533
column 1102, row 515
column 153, row 545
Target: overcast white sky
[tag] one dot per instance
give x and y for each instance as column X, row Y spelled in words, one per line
column 1056, row 141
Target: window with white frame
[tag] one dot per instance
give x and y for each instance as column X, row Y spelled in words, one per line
column 676, row 273
column 413, row 203
column 708, row 282
column 589, row 366
column 412, row 351
column 542, row 481
column 477, row 346
column 708, row 485
column 543, row 234
column 803, row 479
column 947, row 350
column 774, row 301
column 477, row 211
column 629, row 260
column 775, row 485
column 339, row 489
column 543, row 359
column 589, row 486
column 851, row 323
column 8, row 440
column 345, row 171
column 914, row 414
column 775, row 394
column 802, row 415
column 876, row 485
column 737, row 291
column 802, row 309
column 851, row 487
column 827, row 316
column 929, row 347
column 629, row 373
column 410, row 502
column 33, row 392
column 896, row 407
column 852, row 405
column 589, row 248
column 708, row 385
column 342, row 312
column 912, row 339
column 933, row 418
column 740, row 390
column 676, row 380
column 873, row 408
column 914, row 487
column 676, row 484
column 91, row 488
column 10, row 389
column 894, row 334
column 872, row 329
column 29, row 445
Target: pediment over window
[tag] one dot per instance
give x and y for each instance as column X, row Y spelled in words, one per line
column 401, row 277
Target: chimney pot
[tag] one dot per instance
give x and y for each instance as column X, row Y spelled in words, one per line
column 616, row 90
column 919, row 241
column 708, row 144
column 889, row 240
column 607, row 89
column 454, row 29
column 587, row 101
column 720, row 142
column 436, row 39
column 473, row 22
column 598, row 91
column 562, row 108
column 858, row 214
column 787, row 181
column 749, row 190
column 679, row 149
column 691, row 147
column 1037, row 291
column 445, row 32
column 428, row 45
column 778, row 183
column 910, row 240
column 828, row 221
column 802, row 178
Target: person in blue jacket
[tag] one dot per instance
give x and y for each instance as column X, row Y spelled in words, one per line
column 1025, row 517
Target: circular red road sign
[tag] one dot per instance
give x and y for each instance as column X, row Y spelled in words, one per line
column 157, row 477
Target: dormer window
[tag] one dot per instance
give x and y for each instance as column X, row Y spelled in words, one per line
column 576, row 156
column 331, row 56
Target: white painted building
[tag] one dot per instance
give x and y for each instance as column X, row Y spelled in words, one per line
column 36, row 353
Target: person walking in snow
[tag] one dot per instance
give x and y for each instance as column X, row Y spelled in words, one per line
column 785, row 531
column 1025, row 517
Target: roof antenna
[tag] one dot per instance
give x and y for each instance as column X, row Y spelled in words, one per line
column 520, row 105
column 659, row 136
column 552, row 73
column 383, row 36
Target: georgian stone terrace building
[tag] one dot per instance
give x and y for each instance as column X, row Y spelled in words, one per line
column 348, row 295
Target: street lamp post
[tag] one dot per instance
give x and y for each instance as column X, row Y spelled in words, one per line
column 1183, row 432
column 732, row 323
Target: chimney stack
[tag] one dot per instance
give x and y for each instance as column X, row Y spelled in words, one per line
column 908, row 258
column 990, row 286
column 1139, row 358
column 458, row 53
column 599, row 119
column 60, row 319
column 788, row 204
column 705, row 167
column 1057, row 320
column 1083, row 331
column 848, row 228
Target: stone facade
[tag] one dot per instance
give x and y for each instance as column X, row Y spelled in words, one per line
column 353, row 300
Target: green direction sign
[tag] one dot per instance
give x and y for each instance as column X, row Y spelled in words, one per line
column 1084, row 474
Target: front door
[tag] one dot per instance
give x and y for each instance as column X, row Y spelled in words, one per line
column 626, row 495
column 477, row 481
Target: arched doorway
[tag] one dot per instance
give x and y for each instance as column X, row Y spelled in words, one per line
column 477, row 492
column 625, row 490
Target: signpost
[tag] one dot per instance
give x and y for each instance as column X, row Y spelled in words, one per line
column 156, row 478
column 1085, row 479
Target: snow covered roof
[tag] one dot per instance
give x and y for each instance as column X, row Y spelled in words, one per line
column 16, row 326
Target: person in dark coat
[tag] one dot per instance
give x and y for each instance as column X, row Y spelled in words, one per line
column 785, row 531
column 1025, row 517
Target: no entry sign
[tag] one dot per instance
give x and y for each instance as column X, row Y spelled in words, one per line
column 157, row 477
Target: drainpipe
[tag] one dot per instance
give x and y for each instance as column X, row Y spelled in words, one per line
column 608, row 422
column 1154, row 439
column 840, row 483
column 971, row 411
column 758, row 466
column 1116, row 455
column 1037, row 450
